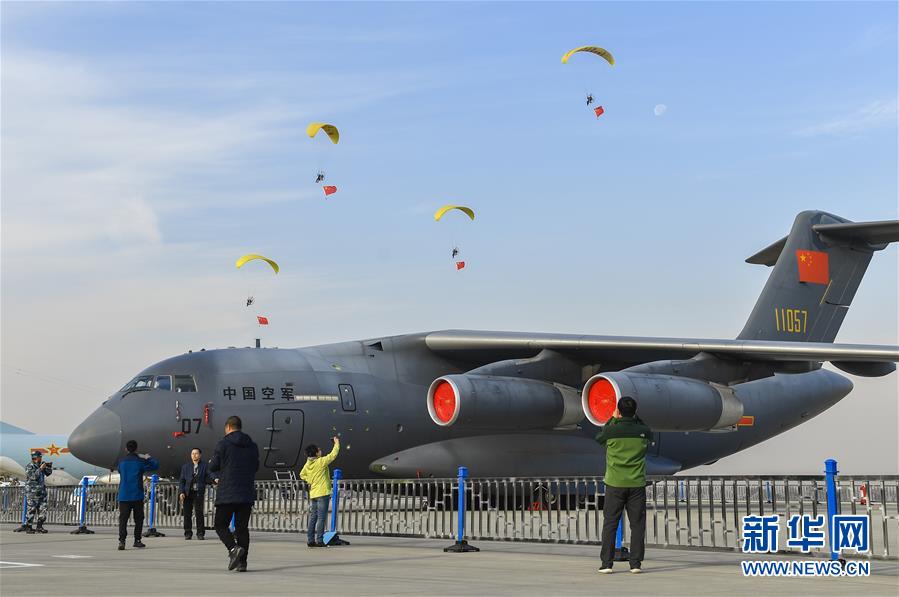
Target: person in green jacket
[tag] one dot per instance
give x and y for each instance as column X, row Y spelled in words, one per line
column 315, row 472
column 626, row 438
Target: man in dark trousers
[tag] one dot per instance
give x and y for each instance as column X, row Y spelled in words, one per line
column 236, row 460
column 132, row 467
column 192, row 493
column 626, row 438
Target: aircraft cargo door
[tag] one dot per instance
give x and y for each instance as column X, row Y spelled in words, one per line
column 286, row 439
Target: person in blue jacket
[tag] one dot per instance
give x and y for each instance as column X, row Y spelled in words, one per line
column 192, row 492
column 132, row 467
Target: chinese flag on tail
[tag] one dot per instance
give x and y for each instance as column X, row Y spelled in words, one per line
column 262, row 320
column 599, row 111
column 329, row 190
column 813, row 267
column 460, row 265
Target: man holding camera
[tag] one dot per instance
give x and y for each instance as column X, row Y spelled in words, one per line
column 626, row 439
column 36, row 492
column 131, row 468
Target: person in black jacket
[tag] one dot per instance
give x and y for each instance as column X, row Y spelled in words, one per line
column 192, row 492
column 236, row 459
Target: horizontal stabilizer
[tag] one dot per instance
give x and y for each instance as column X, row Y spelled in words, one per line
column 12, row 429
column 875, row 234
column 768, row 256
column 872, row 233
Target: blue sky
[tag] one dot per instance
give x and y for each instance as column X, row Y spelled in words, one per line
column 146, row 146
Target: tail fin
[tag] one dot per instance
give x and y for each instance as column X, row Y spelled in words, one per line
column 817, row 270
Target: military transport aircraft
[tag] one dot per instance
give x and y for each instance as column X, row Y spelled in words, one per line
column 520, row 404
column 17, row 444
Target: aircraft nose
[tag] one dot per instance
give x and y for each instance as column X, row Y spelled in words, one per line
column 98, row 440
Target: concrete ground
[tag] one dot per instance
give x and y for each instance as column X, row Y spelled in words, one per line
column 280, row 564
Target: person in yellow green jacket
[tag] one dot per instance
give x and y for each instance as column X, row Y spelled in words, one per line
column 315, row 472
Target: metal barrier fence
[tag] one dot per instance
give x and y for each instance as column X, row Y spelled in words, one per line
column 691, row 512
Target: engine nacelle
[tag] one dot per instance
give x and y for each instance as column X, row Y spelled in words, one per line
column 664, row 402
column 502, row 403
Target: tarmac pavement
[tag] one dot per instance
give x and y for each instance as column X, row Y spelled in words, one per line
column 59, row 563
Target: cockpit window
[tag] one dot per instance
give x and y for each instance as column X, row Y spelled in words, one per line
column 139, row 382
column 163, row 382
column 185, row 383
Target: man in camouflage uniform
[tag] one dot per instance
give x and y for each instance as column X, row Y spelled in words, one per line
column 36, row 492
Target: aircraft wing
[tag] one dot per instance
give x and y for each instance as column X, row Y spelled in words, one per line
column 481, row 346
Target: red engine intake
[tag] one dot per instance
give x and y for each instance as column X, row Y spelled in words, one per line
column 497, row 402
column 601, row 400
column 664, row 402
column 443, row 402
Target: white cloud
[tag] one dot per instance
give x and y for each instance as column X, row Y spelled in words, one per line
column 132, row 219
column 81, row 165
column 660, row 109
column 878, row 114
column 99, row 155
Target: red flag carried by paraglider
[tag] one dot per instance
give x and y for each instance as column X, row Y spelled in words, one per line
column 329, row 190
column 460, row 265
column 813, row 267
column 262, row 320
column 599, row 111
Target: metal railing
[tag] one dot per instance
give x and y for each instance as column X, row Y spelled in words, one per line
column 682, row 512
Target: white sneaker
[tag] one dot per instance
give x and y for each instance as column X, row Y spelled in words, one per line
column 636, row 571
column 605, row 571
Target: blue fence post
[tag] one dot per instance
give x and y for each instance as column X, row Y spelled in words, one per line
column 151, row 527
column 461, row 545
column 24, row 512
column 833, row 500
column 331, row 538
column 231, row 525
column 82, row 515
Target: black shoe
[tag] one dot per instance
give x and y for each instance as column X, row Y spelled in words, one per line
column 139, row 543
column 242, row 567
column 201, row 537
column 121, row 546
column 188, row 537
column 40, row 528
column 29, row 530
column 235, row 555
column 320, row 544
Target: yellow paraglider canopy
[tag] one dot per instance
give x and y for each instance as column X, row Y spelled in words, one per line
column 252, row 256
column 330, row 130
column 466, row 210
column 591, row 49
